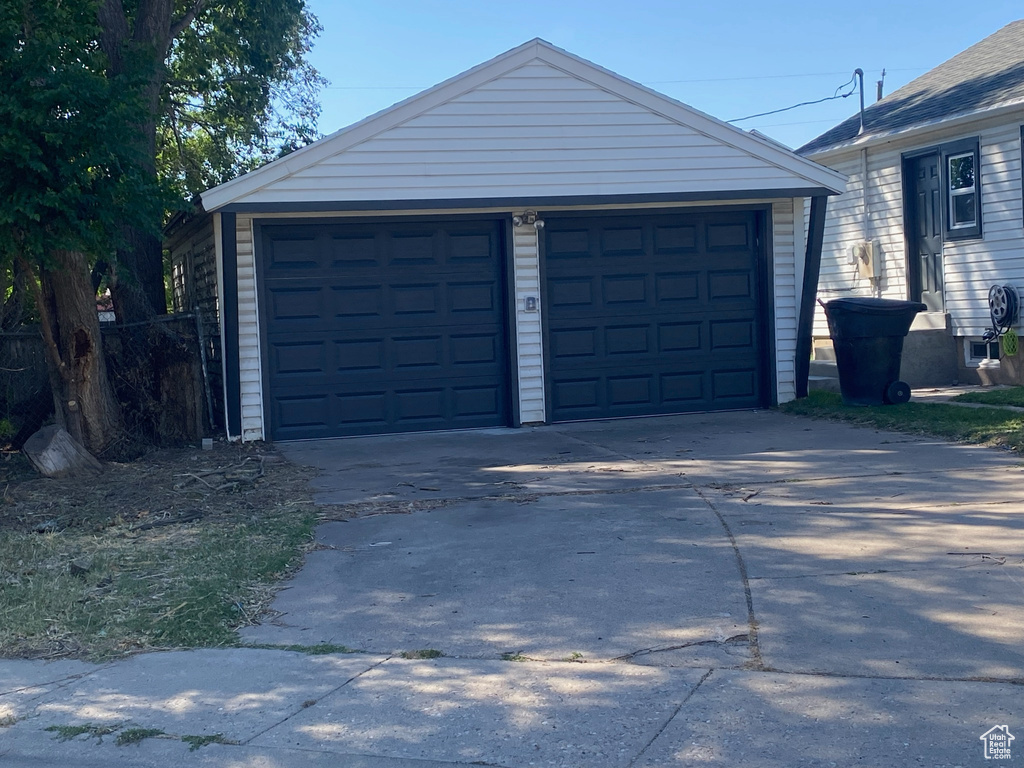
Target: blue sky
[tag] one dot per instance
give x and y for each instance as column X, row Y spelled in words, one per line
column 729, row 59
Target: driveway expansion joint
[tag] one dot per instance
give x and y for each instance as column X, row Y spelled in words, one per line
column 671, row 717
column 315, row 701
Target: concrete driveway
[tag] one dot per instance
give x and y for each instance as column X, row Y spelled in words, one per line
column 729, row 589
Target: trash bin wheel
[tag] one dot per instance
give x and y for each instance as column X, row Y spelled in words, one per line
column 897, row 392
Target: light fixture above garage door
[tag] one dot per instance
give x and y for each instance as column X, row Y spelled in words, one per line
column 528, row 219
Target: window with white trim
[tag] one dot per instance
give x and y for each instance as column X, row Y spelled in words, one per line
column 981, row 354
column 961, row 180
column 963, row 201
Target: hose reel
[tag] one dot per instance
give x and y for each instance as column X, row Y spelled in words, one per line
column 1003, row 310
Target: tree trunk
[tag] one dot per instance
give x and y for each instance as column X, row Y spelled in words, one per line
column 83, row 397
column 143, row 42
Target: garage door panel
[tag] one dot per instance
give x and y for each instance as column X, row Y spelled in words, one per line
column 675, row 239
column 422, row 299
column 303, row 412
column 677, row 287
column 475, row 349
column 573, row 342
column 676, row 324
column 685, row 337
column 627, row 340
column 413, row 250
column 295, row 253
column 576, row 396
column 568, row 243
column 297, row 304
column 468, row 248
column 622, row 241
column 300, row 358
column 480, row 297
column 631, row 390
column 624, row 289
column 728, row 236
column 398, row 327
column 360, row 355
column 365, row 410
column 356, row 252
column 735, row 384
column 576, row 292
column 732, row 335
column 357, row 302
column 683, row 389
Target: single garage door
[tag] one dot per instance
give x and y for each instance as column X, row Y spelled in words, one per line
column 653, row 314
column 383, row 327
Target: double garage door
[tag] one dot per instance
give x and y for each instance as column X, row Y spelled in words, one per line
column 389, row 327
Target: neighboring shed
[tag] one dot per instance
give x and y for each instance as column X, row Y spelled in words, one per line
column 935, row 188
column 535, row 240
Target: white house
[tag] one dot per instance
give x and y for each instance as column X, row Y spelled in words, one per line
column 933, row 209
column 535, row 240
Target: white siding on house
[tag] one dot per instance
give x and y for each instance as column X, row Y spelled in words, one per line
column 250, row 371
column 786, row 296
column 970, row 266
column 534, row 131
column 529, row 329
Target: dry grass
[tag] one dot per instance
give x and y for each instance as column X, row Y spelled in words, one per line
column 177, row 549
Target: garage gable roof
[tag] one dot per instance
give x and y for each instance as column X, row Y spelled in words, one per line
column 534, row 123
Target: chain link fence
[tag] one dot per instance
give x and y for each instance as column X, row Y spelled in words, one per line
column 165, row 373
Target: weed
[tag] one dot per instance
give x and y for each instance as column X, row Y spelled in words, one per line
column 68, row 732
column 7, row 721
column 513, row 656
column 196, row 742
column 574, row 656
column 426, row 653
column 135, row 735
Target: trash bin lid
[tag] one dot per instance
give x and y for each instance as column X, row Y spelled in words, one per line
column 868, row 306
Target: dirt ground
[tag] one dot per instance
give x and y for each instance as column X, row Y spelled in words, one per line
column 163, row 487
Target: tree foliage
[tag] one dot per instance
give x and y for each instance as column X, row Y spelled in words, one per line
column 238, row 91
column 69, row 176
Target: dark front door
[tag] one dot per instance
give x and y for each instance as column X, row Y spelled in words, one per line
column 650, row 314
column 383, row 327
column 924, row 231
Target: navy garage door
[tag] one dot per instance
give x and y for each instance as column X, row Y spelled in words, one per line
column 653, row 314
column 383, row 327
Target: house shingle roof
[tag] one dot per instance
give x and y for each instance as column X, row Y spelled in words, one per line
column 988, row 74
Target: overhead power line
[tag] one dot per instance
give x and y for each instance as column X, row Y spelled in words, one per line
column 834, row 96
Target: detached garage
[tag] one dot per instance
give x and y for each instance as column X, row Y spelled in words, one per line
column 535, row 240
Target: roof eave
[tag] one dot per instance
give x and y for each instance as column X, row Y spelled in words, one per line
column 875, row 139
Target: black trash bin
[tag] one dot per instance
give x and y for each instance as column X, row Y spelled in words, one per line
column 868, row 338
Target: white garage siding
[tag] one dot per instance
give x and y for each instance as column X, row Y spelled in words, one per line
column 787, row 292
column 970, row 266
column 536, row 131
column 533, row 122
column 529, row 330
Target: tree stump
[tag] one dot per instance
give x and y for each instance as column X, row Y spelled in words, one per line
column 55, row 453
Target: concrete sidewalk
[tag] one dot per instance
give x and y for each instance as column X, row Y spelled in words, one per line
column 714, row 590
